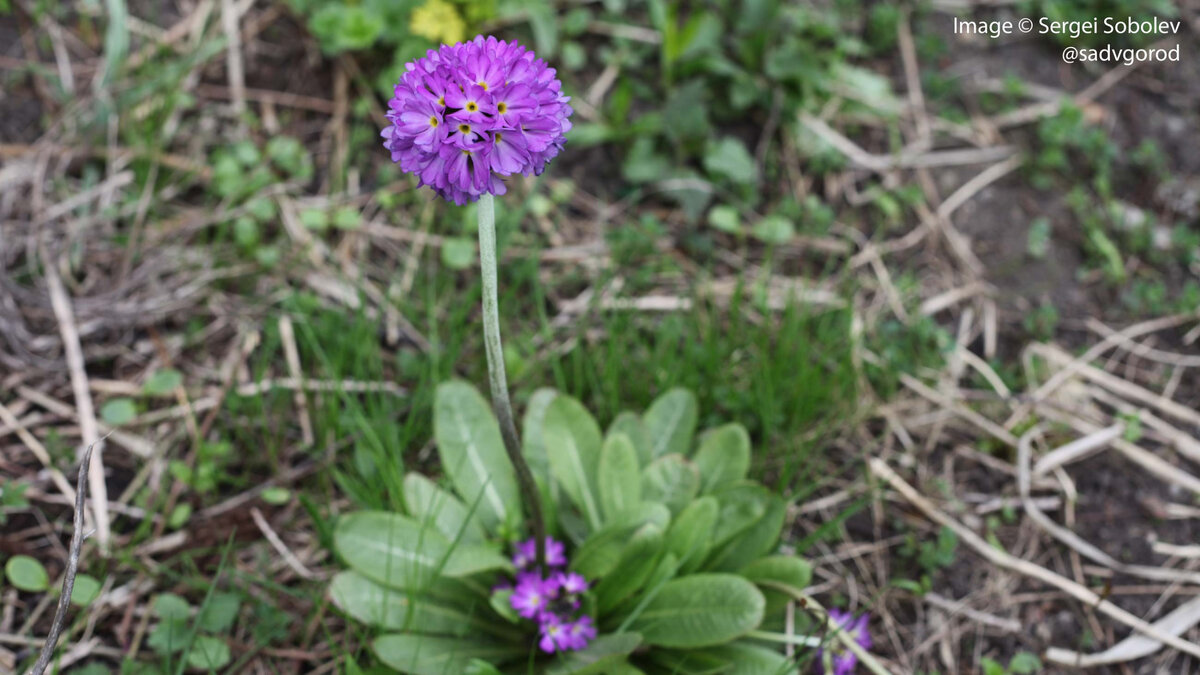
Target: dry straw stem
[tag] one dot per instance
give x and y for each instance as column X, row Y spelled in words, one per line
column 64, row 600
column 1010, row 562
column 1066, row 536
column 61, row 304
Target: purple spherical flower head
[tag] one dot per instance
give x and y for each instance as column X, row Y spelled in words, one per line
column 526, row 555
column 466, row 114
column 843, row 660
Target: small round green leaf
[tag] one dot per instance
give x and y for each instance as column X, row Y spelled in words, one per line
column 163, row 382
column 208, row 653
column 85, row 590
column 118, row 411
column 458, row 253
column 27, row 574
column 276, row 495
column 171, row 607
column 774, row 230
column 725, row 219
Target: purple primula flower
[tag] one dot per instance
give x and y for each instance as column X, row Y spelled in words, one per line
column 467, row 114
column 571, row 583
column 531, row 598
column 556, row 635
column 526, row 553
column 843, row 660
column 580, row 632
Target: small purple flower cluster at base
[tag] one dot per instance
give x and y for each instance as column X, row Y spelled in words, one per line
column 466, row 114
column 843, row 660
column 551, row 598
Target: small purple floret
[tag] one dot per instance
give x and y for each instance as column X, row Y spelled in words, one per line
column 531, row 598
column 526, row 553
column 466, row 114
column 843, row 660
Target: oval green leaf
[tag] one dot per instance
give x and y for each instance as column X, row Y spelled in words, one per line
column 27, row 574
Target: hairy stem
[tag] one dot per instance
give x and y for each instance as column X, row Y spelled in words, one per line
column 496, row 376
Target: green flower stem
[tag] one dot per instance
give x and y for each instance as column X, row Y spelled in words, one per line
column 496, row 376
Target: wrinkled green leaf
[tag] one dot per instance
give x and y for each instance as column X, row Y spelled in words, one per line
column 638, row 561
column 400, row 552
column 754, row 542
column 427, row 502
column 376, row 605
column 618, row 478
column 691, row 532
column 672, row 480
column 671, row 422
column 472, row 453
column 533, row 444
column 701, row 610
column 572, row 440
column 630, row 424
column 742, row 505
column 748, row 659
column 723, row 457
column 425, row 655
column 599, row 657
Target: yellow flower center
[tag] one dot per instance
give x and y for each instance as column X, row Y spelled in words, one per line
column 499, row 136
column 501, row 107
column 482, row 84
column 465, row 128
column 472, row 106
column 433, row 122
column 442, row 100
